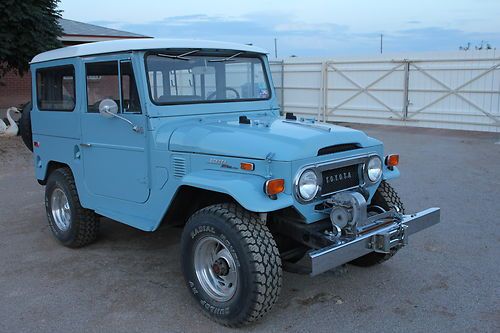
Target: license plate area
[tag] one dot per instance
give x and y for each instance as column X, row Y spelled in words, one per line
column 339, row 179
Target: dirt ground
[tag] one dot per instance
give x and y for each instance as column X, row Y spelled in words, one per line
column 446, row 280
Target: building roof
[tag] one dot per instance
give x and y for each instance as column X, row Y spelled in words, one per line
column 123, row 45
column 76, row 28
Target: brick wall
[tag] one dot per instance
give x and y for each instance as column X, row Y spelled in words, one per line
column 15, row 90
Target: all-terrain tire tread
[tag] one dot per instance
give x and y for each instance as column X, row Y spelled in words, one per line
column 390, row 196
column 25, row 126
column 87, row 221
column 264, row 254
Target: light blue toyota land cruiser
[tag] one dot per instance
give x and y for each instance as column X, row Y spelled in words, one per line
column 174, row 132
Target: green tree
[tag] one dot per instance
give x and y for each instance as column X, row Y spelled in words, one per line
column 27, row 27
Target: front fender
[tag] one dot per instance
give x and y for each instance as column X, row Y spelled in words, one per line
column 247, row 190
column 390, row 174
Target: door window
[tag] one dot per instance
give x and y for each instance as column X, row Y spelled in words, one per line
column 103, row 81
column 130, row 96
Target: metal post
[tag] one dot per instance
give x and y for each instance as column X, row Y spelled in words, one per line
column 325, row 92
column 498, row 131
column 498, row 134
column 406, row 84
column 381, row 43
column 498, row 106
column 283, row 86
column 320, row 100
column 276, row 48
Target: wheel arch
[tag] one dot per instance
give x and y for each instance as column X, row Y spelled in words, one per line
column 49, row 168
column 245, row 190
column 188, row 199
column 201, row 190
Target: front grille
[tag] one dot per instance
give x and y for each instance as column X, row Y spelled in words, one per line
column 335, row 180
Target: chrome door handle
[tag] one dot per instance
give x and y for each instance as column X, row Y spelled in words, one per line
column 85, row 145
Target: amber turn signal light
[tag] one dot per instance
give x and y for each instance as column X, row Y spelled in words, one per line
column 274, row 186
column 392, row 160
column 247, row 166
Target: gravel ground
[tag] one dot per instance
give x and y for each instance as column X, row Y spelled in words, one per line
column 446, row 280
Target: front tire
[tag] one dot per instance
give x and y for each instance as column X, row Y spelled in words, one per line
column 73, row 225
column 231, row 264
column 386, row 198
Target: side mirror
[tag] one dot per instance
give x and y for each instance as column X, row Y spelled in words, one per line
column 108, row 108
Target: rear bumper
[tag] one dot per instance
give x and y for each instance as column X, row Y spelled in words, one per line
column 380, row 240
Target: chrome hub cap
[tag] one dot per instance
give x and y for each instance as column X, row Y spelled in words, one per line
column 61, row 212
column 215, row 269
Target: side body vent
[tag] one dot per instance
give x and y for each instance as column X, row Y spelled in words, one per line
column 338, row 148
column 178, row 166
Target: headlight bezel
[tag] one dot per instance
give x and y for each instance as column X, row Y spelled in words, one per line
column 367, row 169
column 298, row 178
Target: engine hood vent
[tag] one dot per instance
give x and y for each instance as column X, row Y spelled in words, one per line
column 338, row 148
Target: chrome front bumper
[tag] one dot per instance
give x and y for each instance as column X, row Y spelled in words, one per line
column 381, row 240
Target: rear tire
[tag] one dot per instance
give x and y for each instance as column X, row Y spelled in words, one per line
column 387, row 198
column 73, row 225
column 231, row 264
column 25, row 126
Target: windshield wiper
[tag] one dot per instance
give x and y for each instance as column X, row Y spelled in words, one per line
column 180, row 56
column 225, row 59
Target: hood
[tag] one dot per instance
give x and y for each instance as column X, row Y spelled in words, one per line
column 287, row 140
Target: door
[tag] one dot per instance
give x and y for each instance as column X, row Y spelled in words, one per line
column 114, row 154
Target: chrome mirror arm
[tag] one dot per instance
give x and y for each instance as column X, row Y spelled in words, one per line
column 135, row 128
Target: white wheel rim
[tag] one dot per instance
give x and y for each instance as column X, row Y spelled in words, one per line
column 61, row 211
column 215, row 268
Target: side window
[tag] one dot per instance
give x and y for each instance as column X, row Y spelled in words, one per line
column 102, row 83
column 130, row 96
column 55, row 88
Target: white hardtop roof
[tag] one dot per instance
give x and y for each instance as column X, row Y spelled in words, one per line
column 139, row 44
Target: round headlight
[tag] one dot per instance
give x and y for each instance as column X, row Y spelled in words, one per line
column 374, row 169
column 308, row 185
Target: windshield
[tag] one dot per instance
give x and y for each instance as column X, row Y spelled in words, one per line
column 188, row 77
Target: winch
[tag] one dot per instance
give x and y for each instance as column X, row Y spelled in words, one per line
column 348, row 212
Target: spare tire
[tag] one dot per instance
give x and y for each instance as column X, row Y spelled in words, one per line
column 25, row 126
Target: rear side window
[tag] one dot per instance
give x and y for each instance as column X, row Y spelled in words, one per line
column 55, row 88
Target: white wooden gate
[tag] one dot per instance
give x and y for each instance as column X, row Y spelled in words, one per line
column 443, row 91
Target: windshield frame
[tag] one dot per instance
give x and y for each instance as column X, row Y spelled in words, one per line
column 204, row 53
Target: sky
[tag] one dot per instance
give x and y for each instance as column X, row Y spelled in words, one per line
column 305, row 27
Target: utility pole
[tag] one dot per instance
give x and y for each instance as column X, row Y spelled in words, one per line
column 276, row 48
column 381, row 43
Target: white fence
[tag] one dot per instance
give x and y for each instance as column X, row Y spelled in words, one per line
column 459, row 90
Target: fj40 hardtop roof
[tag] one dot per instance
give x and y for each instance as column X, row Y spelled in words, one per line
column 114, row 46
